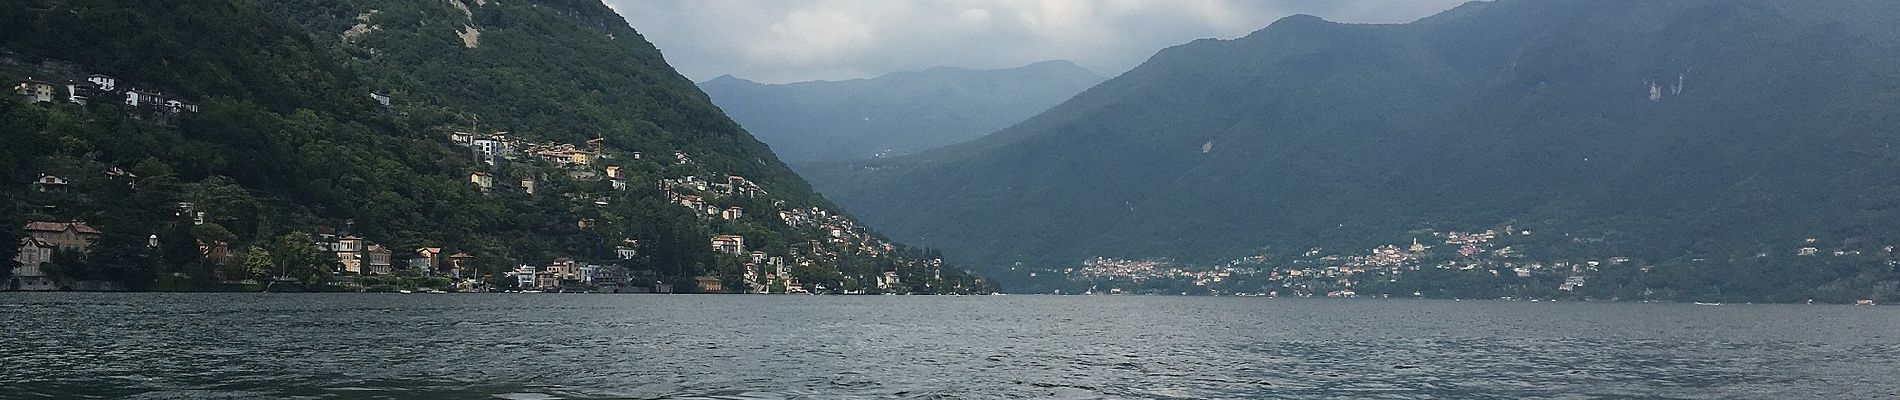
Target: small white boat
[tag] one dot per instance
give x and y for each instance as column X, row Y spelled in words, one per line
column 404, row 291
column 1707, row 304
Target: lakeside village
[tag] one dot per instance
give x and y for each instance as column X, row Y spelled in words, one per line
column 1496, row 253
column 362, row 264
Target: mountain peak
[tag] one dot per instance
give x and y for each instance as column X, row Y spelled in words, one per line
column 1059, row 66
column 728, row 79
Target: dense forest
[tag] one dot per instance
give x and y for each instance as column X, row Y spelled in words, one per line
column 287, row 144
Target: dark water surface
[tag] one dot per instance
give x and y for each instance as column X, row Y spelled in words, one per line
column 545, row 346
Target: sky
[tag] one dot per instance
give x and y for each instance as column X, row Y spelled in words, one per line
column 779, row 41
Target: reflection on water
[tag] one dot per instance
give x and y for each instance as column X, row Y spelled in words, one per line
column 534, row 346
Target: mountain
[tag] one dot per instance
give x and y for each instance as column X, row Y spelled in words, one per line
column 898, row 113
column 1711, row 142
column 505, row 133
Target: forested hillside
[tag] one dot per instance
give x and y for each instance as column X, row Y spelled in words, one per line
column 1730, row 148
column 596, row 146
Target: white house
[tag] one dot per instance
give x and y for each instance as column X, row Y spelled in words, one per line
column 176, row 106
column 103, row 82
column 50, row 183
column 140, row 98
column 78, row 93
column 729, row 244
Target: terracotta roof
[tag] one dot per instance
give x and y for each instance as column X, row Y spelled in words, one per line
column 81, row 227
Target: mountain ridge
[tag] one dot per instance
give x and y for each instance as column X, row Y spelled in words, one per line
column 895, row 113
column 1635, row 123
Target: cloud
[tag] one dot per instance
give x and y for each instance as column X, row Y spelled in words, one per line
column 785, row 41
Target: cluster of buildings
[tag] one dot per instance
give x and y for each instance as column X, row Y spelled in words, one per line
column 97, row 86
column 711, row 199
column 764, row 272
column 681, row 191
column 359, row 256
column 1811, row 247
column 497, row 148
column 569, row 276
column 1316, row 272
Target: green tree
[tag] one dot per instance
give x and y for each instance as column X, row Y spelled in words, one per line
column 252, row 263
column 298, row 257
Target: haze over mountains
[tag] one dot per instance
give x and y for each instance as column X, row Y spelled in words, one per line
column 894, row 114
column 1691, row 134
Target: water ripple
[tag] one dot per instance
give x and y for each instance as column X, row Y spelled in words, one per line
column 391, row 346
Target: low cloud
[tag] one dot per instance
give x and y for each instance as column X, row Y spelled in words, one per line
column 787, row 41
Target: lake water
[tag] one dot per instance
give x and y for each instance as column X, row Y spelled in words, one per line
column 545, row 346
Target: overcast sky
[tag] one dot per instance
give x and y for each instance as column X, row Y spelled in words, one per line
column 777, row 41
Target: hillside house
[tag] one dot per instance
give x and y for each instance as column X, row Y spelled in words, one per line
column 65, row 235
column 380, row 98
column 79, row 93
column 426, row 260
column 524, row 276
column 482, row 179
column 175, row 106
column 50, row 184
column 527, row 185
column 349, row 253
column 729, row 244
column 691, row 201
column 888, row 281
column 27, row 275
column 140, row 98
column 217, row 251
column 376, row 260
column 349, row 244
column 732, row 213
column 351, row 263
column 628, row 249
column 34, row 91
column 610, row 278
column 707, row 284
column 116, row 172
column 460, row 264
column 613, row 172
column 104, row 83
column 490, row 150
column 562, row 274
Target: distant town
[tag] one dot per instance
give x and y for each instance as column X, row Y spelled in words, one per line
column 1498, row 253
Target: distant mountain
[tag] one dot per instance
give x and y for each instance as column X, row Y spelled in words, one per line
column 304, row 122
column 894, row 114
column 1708, row 138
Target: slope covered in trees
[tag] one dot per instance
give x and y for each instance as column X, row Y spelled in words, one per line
column 1703, row 137
column 288, row 143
